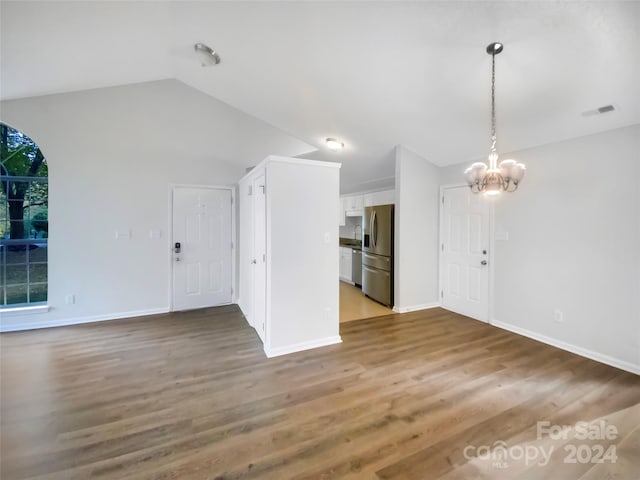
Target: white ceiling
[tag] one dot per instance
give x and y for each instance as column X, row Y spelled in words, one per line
column 374, row 74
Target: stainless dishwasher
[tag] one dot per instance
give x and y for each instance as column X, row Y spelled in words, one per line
column 356, row 267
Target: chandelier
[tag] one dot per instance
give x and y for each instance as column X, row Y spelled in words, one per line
column 494, row 179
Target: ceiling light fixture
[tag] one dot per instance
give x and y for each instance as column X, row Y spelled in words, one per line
column 209, row 56
column 333, row 144
column 495, row 178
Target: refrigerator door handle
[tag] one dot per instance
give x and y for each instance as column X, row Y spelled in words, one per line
column 371, row 228
column 374, row 229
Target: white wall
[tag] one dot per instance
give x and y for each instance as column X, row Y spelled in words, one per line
column 416, row 232
column 303, row 261
column 573, row 245
column 112, row 155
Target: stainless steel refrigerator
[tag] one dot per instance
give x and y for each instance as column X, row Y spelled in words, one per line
column 377, row 253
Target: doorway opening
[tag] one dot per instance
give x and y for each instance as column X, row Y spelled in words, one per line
column 355, row 305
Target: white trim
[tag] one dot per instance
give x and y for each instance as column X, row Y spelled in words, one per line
column 413, row 308
column 297, row 161
column 18, row 311
column 583, row 352
column 466, row 314
column 298, row 347
column 78, row 320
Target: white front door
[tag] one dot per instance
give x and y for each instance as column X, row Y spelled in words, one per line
column 259, row 256
column 464, row 252
column 202, row 260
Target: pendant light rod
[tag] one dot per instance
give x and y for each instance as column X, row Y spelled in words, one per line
column 493, row 103
column 493, row 49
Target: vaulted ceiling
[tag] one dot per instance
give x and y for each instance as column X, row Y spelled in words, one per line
column 374, row 74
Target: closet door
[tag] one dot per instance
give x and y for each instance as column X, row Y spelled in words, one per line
column 245, row 243
column 259, row 261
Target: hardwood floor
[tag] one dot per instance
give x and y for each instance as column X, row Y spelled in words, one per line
column 355, row 306
column 192, row 396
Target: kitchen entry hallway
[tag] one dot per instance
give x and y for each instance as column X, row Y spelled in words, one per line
column 354, row 305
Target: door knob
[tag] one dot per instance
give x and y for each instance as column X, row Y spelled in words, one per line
column 254, row 261
column 483, row 262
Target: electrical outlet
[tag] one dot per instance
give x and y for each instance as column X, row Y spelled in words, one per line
column 70, row 299
column 558, row 316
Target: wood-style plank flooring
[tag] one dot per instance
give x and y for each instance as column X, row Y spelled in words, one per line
column 192, row 396
column 354, row 305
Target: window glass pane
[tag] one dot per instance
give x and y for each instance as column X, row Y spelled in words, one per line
column 38, row 254
column 24, row 226
column 17, row 230
column 38, row 292
column 16, row 254
column 16, row 274
column 37, row 273
column 16, row 294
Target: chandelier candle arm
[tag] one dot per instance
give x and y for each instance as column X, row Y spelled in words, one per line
column 494, row 179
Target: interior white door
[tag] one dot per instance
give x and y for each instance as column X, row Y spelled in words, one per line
column 202, row 261
column 464, row 255
column 259, row 260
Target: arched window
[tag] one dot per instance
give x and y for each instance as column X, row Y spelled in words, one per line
column 24, row 226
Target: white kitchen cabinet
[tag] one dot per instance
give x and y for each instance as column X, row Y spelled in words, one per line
column 384, row 197
column 342, row 220
column 346, row 264
column 352, row 206
column 288, row 253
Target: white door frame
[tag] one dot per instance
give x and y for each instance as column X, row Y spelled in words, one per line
column 172, row 189
column 491, row 256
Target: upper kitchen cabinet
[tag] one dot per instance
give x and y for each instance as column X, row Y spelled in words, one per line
column 353, row 205
column 350, row 206
column 384, row 197
column 288, row 253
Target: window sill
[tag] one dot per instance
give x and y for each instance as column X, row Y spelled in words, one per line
column 15, row 311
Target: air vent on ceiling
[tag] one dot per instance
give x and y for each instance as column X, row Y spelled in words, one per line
column 606, row 108
column 598, row 111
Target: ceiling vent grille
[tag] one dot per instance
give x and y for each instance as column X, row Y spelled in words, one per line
column 598, row 111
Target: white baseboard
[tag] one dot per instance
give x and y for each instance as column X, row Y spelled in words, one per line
column 15, row 327
column 414, row 308
column 583, row 352
column 298, row 347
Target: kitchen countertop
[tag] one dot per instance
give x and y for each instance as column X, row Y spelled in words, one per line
column 350, row 243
